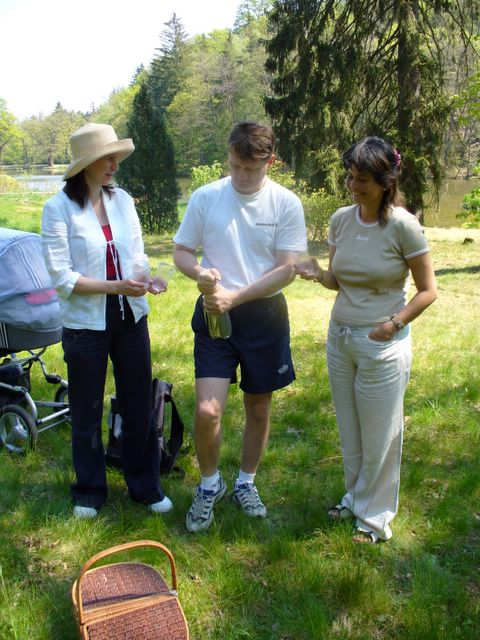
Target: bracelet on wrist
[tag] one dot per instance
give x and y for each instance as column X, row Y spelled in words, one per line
column 398, row 324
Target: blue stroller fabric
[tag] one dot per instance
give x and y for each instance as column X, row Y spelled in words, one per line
column 27, row 299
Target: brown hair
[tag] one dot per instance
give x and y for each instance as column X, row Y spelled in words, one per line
column 77, row 190
column 252, row 141
column 377, row 157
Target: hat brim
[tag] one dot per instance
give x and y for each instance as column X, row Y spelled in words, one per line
column 121, row 149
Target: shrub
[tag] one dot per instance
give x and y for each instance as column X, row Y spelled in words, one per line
column 9, row 184
column 318, row 204
column 204, row 174
column 471, row 208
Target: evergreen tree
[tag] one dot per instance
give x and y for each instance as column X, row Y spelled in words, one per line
column 343, row 69
column 149, row 174
column 168, row 68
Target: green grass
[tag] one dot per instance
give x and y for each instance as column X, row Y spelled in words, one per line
column 292, row 576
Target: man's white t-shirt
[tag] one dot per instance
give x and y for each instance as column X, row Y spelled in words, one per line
column 239, row 233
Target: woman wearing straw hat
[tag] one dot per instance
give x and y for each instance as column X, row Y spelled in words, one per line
column 91, row 238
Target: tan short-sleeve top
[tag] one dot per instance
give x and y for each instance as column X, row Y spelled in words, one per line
column 370, row 264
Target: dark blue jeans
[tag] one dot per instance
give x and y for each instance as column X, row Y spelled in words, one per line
column 86, row 353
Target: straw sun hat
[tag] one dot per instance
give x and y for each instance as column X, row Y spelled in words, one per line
column 94, row 141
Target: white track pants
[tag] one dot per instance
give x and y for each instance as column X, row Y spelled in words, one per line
column 368, row 381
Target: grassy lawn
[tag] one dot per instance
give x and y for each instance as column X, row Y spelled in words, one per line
column 292, row 576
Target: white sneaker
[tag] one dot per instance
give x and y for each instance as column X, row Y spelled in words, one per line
column 84, row 512
column 200, row 514
column 162, row 506
column 246, row 496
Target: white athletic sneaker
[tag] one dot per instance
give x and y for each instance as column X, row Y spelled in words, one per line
column 162, row 506
column 200, row 514
column 246, row 496
column 84, row 512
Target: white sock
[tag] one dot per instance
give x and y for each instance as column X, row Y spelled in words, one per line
column 210, row 483
column 245, row 478
column 84, row 512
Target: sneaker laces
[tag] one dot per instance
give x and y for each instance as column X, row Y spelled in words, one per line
column 202, row 503
column 248, row 495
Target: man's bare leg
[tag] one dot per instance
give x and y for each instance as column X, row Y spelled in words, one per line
column 257, row 429
column 211, row 396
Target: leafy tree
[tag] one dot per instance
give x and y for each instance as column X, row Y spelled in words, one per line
column 343, row 69
column 9, row 131
column 149, row 174
column 465, row 127
column 47, row 140
column 249, row 11
column 224, row 83
column 116, row 111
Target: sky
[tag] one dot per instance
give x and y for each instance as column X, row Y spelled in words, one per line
column 78, row 52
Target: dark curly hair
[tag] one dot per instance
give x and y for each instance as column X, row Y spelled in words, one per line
column 377, row 157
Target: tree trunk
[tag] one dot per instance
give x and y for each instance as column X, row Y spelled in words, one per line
column 408, row 94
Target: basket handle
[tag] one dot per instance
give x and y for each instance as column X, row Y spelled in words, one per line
column 117, row 549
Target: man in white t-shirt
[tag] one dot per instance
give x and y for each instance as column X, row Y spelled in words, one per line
column 251, row 230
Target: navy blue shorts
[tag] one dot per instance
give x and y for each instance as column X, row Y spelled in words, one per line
column 260, row 344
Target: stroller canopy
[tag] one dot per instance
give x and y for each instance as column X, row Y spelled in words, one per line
column 27, row 298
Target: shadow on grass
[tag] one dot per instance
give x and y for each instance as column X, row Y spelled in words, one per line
column 452, row 270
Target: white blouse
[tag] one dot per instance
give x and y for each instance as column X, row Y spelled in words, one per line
column 73, row 244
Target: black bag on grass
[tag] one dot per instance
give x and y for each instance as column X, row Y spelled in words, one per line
column 169, row 444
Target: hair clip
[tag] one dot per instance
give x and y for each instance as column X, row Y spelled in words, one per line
column 397, row 156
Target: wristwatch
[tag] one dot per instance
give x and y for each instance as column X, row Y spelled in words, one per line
column 398, row 324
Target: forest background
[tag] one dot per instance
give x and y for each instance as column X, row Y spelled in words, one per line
column 318, row 66
column 323, row 72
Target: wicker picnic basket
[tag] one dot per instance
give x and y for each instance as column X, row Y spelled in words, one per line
column 128, row 600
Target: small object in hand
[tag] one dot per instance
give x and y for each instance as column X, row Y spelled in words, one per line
column 219, row 325
column 308, row 269
column 162, row 276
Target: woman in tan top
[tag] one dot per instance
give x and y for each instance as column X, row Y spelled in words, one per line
column 375, row 244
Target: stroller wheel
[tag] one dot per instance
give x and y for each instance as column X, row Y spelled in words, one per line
column 61, row 395
column 18, row 432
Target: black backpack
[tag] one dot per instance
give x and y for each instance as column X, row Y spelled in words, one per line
column 169, row 449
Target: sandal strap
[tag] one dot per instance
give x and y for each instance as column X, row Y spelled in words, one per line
column 374, row 538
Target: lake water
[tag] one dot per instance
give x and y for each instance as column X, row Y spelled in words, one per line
column 450, row 205
column 445, row 215
column 44, row 183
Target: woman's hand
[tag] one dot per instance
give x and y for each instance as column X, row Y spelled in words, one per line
column 383, row 332
column 157, row 285
column 309, row 270
column 130, row 287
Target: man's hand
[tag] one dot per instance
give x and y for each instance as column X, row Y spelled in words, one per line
column 219, row 301
column 207, row 280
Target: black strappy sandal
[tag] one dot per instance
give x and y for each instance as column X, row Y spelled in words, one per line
column 339, row 512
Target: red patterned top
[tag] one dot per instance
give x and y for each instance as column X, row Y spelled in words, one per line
column 112, row 255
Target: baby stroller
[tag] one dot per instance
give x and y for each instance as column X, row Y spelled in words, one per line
column 30, row 321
